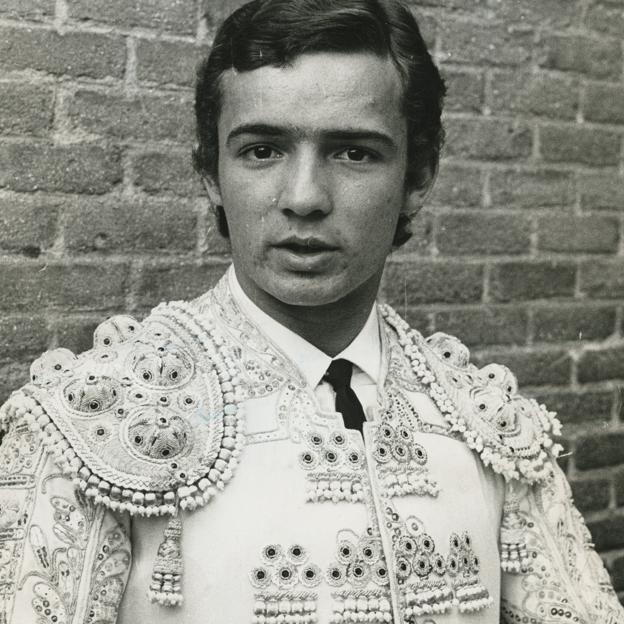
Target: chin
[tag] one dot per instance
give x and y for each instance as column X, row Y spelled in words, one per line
column 308, row 290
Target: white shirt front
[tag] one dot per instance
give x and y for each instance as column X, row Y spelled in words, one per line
column 365, row 352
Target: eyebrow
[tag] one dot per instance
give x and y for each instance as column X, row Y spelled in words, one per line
column 337, row 134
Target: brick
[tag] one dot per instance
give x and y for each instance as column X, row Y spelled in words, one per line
column 75, row 54
column 485, row 43
column 464, row 91
column 602, row 191
column 586, row 234
column 457, row 186
column 214, row 244
column 532, row 368
column 12, row 376
column 177, row 16
column 422, row 236
column 608, row 533
column 602, row 279
column 617, row 573
column 408, row 284
column 561, row 324
column 600, row 58
column 181, row 281
column 591, row 494
column 606, row 17
column 157, row 172
column 75, row 333
column 428, row 26
column 481, row 234
column 579, row 144
column 26, row 109
column 488, row 139
column 35, row 10
column 600, row 450
column 601, row 364
column 80, row 168
column 588, row 408
column 553, row 13
column 137, row 226
column 23, row 336
column 485, row 325
column 421, row 320
column 604, row 103
column 168, row 62
column 465, row 5
column 28, row 224
column 531, row 189
column 143, row 117
column 515, row 281
column 33, row 285
column 618, row 482
column 534, row 94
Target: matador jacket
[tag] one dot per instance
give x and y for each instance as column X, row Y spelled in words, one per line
column 182, row 471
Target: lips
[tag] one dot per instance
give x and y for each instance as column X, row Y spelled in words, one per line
column 306, row 246
column 305, row 255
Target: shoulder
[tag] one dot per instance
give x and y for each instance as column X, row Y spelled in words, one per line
column 145, row 421
column 513, row 434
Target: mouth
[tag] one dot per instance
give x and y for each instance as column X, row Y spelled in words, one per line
column 306, row 246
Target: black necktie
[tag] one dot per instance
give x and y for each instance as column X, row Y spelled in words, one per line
column 339, row 376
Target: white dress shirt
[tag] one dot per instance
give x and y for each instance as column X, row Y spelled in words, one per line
column 365, row 352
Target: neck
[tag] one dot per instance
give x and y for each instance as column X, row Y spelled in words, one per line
column 329, row 327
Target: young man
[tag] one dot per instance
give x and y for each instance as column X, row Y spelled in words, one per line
column 380, row 477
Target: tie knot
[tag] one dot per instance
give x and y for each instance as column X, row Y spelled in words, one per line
column 339, row 373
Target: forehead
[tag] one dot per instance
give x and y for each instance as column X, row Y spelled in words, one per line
column 316, row 90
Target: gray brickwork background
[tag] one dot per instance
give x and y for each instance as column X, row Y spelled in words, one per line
column 520, row 250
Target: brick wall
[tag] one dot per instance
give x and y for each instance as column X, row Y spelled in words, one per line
column 520, row 251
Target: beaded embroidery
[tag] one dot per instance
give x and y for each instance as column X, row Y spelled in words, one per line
column 166, row 576
column 553, row 580
column 284, row 578
column 334, row 466
column 510, row 433
column 430, row 583
column 401, row 462
column 147, row 422
column 361, row 572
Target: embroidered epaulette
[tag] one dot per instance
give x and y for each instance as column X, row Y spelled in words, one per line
column 147, row 421
column 511, row 433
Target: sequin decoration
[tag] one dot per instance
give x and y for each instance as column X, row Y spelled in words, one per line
column 52, row 366
column 284, row 578
column 513, row 549
column 167, row 574
column 401, row 462
column 361, row 573
column 430, row 582
column 334, row 466
column 112, row 563
column 510, row 433
column 463, row 567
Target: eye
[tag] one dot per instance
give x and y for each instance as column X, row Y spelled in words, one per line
column 261, row 152
column 356, row 154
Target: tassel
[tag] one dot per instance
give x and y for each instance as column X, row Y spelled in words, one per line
column 514, row 553
column 165, row 588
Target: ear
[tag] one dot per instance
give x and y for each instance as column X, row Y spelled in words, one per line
column 212, row 190
column 416, row 197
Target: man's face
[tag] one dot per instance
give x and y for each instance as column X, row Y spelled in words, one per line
column 312, row 161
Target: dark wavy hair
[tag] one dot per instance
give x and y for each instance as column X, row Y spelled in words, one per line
column 275, row 32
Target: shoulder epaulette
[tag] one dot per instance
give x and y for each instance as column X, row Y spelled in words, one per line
column 148, row 420
column 511, row 433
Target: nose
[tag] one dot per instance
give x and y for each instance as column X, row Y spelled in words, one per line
column 305, row 187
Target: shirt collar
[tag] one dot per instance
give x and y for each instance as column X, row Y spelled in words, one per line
column 364, row 351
